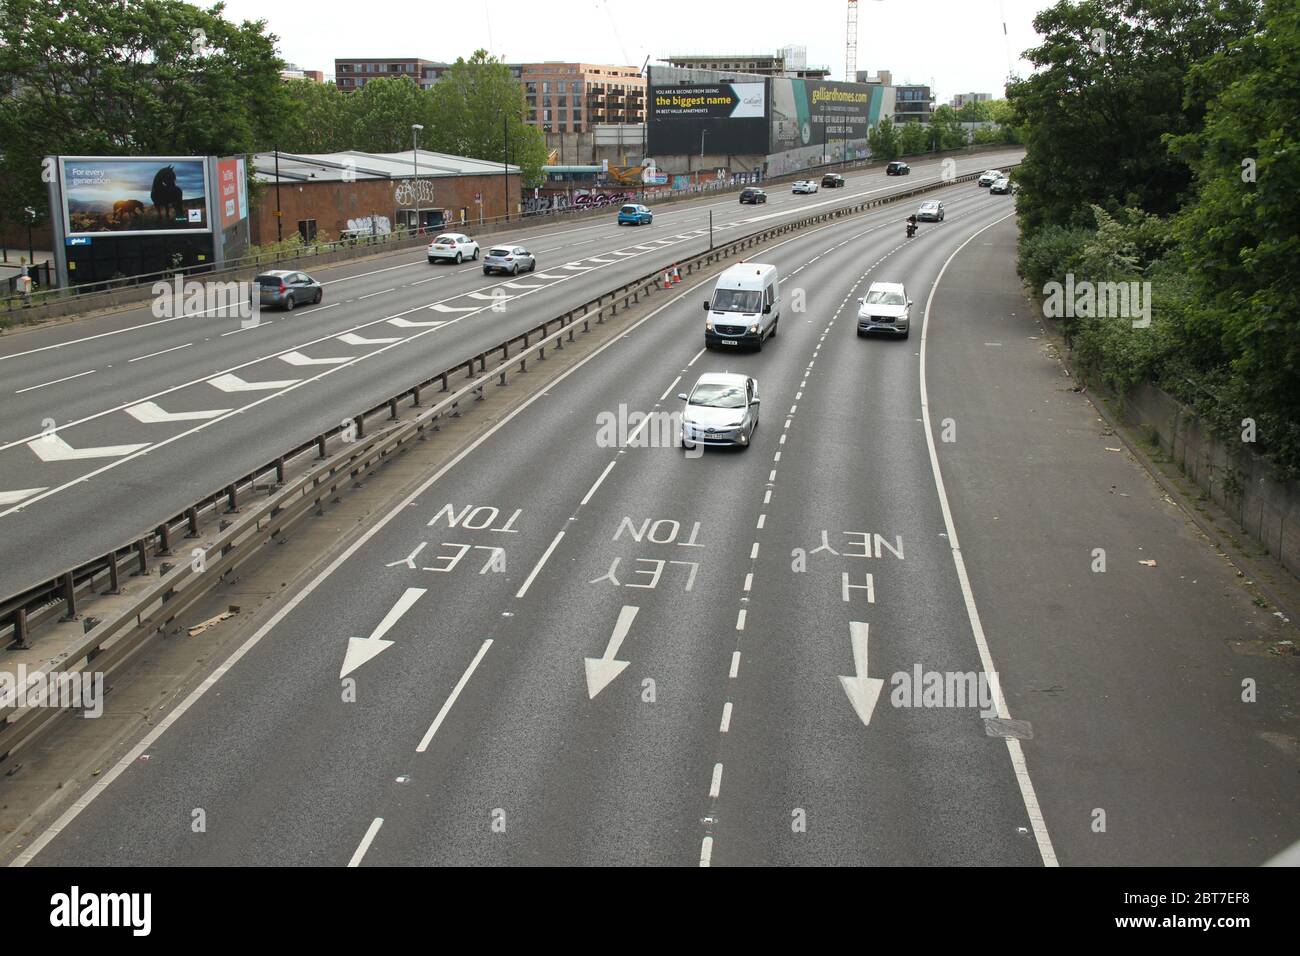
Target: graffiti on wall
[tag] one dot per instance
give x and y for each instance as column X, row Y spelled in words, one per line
column 370, row 226
column 410, row 192
column 582, row 200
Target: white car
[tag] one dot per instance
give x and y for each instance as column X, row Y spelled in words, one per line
column 805, row 186
column 453, row 246
column 722, row 409
column 990, row 176
column 885, row 308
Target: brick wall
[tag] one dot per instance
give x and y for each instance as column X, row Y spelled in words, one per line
column 332, row 204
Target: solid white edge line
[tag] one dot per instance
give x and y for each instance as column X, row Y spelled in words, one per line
column 528, row 581
column 986, row 658
column 447, row 704
column 366, row 840
column 100, row 785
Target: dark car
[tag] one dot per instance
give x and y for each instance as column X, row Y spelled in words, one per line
column 897, row 168
column 832, row 181
column 752, row 195
column 287, row 289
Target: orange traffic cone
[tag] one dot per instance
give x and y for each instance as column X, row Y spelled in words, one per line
column 677, row 275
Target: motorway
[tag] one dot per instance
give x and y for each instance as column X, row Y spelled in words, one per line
column 115, row 422
column 629, row 655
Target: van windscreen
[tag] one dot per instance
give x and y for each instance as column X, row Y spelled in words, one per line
column 737, row 300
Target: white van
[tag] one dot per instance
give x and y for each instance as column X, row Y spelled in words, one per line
column 745, row 308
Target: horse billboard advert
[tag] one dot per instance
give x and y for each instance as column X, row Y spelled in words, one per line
column 111, row 194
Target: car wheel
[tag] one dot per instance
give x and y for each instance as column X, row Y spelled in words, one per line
column 475, row 256
column 908, row 333
column 533, row 266
column 514, row 269
column 320, row 294
column 774, row 325
column 759, row 346
column 288, row 302
column 459, row 258
column 487, row 271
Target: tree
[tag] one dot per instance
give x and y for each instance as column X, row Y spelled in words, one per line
column 913, row 139
column 1239, row 235
column 379, row 116
column 108, row 78
column 318, row 118
column 478, row 106
column 883, row 139
column 1110, row 83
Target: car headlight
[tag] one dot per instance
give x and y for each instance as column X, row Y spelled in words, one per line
column 753, row 328
column 708, row 325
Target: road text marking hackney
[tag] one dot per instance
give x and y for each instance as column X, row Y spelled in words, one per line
column 103, row 909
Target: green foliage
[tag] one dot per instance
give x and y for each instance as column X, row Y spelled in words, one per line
column 1206, row 212
column 912, row 139
column 99, row 77
column 883, row 138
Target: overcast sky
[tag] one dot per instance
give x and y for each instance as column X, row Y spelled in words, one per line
column 958, row 45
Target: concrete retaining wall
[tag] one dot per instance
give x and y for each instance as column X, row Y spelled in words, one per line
column 1230, row 473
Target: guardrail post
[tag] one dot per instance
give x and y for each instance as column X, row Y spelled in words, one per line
column 69, row 598
column 279, row 471
column 444, row 382
column 320, row 446
column 392, row 409
column 113, row 587
column 415, row 397
column 20, row 630
column 164, row 540
column 232, row 500
column 192, row 516
column 142, row 559
column 469, row 367
column 360, row 422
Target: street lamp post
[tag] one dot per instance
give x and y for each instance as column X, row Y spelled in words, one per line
column 505, row 164
column 415, row 163
column 31, row 251
column 703, row 133
column 279, row 214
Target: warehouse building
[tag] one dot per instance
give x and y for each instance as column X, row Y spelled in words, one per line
column 330, row 195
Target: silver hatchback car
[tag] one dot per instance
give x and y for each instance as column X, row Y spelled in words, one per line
column 286, row 289
column 511, row 259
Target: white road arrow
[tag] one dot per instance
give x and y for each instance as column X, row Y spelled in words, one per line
column 233, row 383
column 485, row 297
column 362, row 649
column 53, row 448
column 602, row 670
column 863, row 691
column 402, row 323
column 439, row 307
column 524, row 285
column 151, row 413
column 547, row 275
column 351, row 338
column 13, row 497
column 297, row 358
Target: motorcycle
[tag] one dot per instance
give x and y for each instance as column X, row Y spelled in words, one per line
column 911, row 229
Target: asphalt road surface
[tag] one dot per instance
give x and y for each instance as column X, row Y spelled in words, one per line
column 631, row 655
column 113, row 423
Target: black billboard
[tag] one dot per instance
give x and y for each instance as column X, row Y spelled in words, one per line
column 725, row 119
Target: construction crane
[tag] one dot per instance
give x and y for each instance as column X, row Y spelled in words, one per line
column 851, row 44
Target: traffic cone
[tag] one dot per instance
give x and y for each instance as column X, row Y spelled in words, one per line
column 677, row 275
column 668, row 280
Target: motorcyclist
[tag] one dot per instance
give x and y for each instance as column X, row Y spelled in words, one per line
column 911, row 225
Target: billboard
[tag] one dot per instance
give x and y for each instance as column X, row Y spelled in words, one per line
column 232, row 191
column 134, row 195
column 821, row 112
column 723, row 118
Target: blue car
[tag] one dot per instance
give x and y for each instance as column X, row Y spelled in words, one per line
column 634, row 214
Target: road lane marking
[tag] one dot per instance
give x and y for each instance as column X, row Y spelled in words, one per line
column 715, row 787
column 371, row 832
column 670, row 388
column 141, row 358
column 706, row 851
column 528, row 581
column 735, row 664
column 369, row 294
column 447, row 704
column 69, row 378
column 740, row 619
column 592, row 490
column 363, row 649
column 1027, row 792
column 601, row 671
column 726, row 717
column 13, row 497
